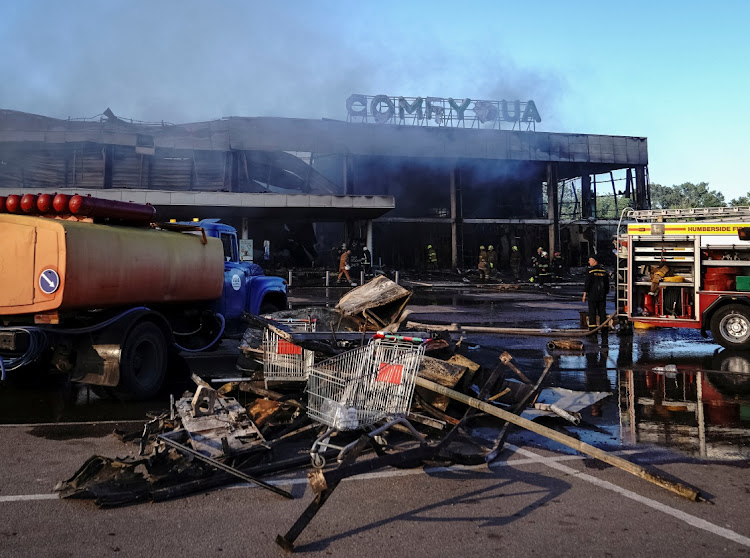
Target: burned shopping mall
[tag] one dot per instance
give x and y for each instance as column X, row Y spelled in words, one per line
column 399, row 173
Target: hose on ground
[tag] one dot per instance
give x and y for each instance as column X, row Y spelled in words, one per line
column 512, row 330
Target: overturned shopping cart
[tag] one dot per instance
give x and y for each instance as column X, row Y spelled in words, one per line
column 356, row 389
column 283, row 361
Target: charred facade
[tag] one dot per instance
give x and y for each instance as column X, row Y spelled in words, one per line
column 310, row 185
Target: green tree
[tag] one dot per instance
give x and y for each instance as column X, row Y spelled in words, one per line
column 606, row 208
column 742, row 200
column 684, row 196
column 605, row 205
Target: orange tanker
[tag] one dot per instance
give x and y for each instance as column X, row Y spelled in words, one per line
column 48, row 264
column 110, row 305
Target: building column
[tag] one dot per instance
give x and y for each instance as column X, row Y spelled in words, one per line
column 553, row 213
column 368, row 241
column 345, row 174
column 245, row 230
column 454, row 225
column 642, row 201
column 586, row 196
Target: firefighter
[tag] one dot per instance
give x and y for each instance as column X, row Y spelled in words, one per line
column 557, row 266
column 535, row 261
column 366, row 260
column 483, row 266
column 595, row 291
column 432, row 261
column 515, row 262
column 492, row 259
column 344, row 267
column 542, row 268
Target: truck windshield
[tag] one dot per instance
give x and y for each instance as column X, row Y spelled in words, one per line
column 230, row 247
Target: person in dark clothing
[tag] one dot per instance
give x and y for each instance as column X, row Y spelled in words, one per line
column 595, row 291
column 515, row 262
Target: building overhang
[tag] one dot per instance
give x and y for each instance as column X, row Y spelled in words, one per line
column 269, row 207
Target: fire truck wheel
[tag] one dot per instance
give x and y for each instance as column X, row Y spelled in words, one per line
column 730, row 326
column 143, row 363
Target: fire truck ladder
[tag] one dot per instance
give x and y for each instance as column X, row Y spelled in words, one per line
column 621, row 277
column 695, row 213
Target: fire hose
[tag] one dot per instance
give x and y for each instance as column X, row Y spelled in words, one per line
column 542, row 332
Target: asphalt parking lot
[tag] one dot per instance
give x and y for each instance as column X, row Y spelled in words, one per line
column 537, row 498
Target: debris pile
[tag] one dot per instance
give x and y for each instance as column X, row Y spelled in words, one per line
column 326, row 388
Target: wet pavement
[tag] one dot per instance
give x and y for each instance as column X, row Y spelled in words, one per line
column 677, row 404
column 670, row 388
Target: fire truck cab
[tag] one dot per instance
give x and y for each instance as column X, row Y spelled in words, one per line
column 687, row 268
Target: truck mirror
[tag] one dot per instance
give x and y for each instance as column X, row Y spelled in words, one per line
column 743, row 233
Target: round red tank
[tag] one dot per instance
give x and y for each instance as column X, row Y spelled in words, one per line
column 2, row 205
column 60, row 203
column 44, row 203
column 28, row 203
column 720, row 279
column 13, row 203
column 648, row 304
column 98, row 207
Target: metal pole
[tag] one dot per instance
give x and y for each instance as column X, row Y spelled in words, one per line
column 289, row 282
column 361, row 277
column 328, row 278
column 676, row 487
column 223, row 467
column 396, row 278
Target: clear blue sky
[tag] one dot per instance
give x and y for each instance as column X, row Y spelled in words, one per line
column 671, row 71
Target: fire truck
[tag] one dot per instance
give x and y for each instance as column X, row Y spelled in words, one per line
column 687, row 268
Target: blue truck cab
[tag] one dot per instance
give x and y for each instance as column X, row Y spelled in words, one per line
column 246, row 287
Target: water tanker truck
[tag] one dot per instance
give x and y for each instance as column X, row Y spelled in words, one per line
column 98, row 290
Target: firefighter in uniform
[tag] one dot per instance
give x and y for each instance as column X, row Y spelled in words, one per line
column 595, row 291
column 483, row 266
column 557, row 266
column 432, row 262
column 492, row 259
column 542, row 269
column 535, row 260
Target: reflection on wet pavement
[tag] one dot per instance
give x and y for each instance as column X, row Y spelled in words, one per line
column 670, row 388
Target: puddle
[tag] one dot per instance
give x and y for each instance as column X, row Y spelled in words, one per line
column 670, row 388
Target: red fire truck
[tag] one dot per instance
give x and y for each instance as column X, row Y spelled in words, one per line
column 687, row 268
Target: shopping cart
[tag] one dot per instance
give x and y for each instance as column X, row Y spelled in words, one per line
column 283, row 361
column 356, row 389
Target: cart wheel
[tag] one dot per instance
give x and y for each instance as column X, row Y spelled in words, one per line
column 730, row 326
column 318, row 461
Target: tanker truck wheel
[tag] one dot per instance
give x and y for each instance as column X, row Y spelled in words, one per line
column 143, row 364
column 730, row 327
